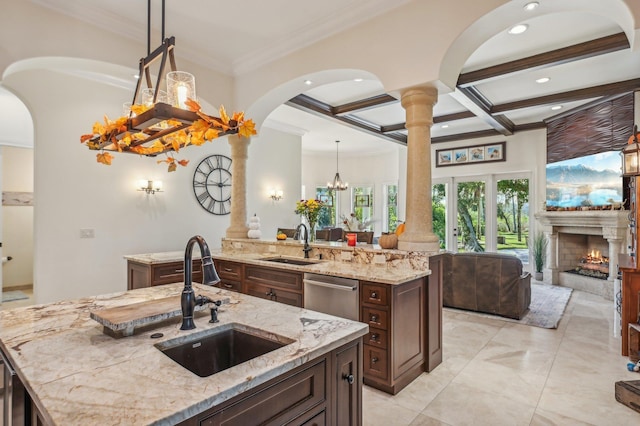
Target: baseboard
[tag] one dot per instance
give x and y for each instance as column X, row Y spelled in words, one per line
column 18, row 287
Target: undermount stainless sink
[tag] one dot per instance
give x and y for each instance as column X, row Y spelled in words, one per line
column 215, row 350
column 291, row 261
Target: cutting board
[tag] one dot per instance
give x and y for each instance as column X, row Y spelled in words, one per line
column 123, row 321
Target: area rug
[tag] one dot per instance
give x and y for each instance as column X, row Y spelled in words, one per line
column 10, row 296
column 548, row 303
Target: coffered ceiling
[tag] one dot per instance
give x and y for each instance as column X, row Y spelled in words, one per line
column 584, row 56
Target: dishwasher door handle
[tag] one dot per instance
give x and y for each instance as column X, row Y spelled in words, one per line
column 331, row 285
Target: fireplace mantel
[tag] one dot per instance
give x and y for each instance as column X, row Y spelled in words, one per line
column 612, row 225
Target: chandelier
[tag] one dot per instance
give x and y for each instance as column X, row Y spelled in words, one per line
column 162, row 122
column 337, row 184
column 631, row 156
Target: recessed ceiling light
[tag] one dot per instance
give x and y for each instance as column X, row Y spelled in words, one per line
column 531, row 6
column 358, row 80
column 543, row 80
column 308, row 82
column 518, row 29
column 556, row 107
column 444, row 126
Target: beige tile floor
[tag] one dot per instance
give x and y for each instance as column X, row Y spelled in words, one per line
column 500, row 373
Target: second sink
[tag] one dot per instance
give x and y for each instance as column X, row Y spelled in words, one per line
column 216, row 350
column 291, row 261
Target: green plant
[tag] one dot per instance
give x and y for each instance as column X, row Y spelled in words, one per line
column 539, row 249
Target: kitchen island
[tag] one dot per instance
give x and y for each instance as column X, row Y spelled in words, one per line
column 399, row 295
column 75, row 374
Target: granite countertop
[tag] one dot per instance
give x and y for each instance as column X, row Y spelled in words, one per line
column 382, row 273
column 78, row 375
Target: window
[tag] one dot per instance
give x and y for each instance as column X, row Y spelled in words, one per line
column 327, row 217
column 362, row 205
column 390, row 214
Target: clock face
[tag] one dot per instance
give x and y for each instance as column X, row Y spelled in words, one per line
column 212, row 184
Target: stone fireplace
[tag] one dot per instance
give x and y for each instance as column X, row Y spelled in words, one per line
column 574, row 236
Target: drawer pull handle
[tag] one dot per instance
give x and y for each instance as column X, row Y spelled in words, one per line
column 349, row 378
column 228, row 270
column 374, row 295
column 374, row 337
column 179, row 271
column 374, row 360
column 270, row 293
column 228, row 285
column 373, row 318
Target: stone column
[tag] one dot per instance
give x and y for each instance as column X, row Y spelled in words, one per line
column 239, row 147
column 418, row 235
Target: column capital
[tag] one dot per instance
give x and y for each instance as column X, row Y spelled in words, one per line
column 418, row 103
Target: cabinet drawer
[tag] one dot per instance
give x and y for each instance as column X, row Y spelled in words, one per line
column 376, row 318
column 376, row 337
column 174, row 272
column 277, row 404
column 229, row 270
column 376, row 294
column 375, row 362
column 275, row 294
column 319, row 419
column 274, row 277
column 230, row 285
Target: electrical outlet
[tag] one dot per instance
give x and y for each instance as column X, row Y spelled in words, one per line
column 87, row 233
column 345, row 255
column 272, row 249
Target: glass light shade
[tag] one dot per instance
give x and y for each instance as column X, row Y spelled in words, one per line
column 147, row 96
column 631, row 160
column 126, row 110
column 157, row 185
column 180, row 87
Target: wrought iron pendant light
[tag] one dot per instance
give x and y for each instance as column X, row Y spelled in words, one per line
column 337, row 184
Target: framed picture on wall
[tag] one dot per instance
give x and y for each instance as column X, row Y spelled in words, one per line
column 473, row 154
column 362, row 201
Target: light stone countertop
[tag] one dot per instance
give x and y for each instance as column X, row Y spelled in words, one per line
column 77, row 375
column 361, row 264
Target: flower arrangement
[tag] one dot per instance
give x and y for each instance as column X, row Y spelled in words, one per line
column 310, row 209
column 115, row 135
column 351, row 223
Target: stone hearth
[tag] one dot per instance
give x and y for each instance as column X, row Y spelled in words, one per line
column 572, row 233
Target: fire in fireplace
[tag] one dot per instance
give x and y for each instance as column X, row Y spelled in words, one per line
column 594, row 265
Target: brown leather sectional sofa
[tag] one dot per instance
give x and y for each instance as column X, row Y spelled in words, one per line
column 486, row 282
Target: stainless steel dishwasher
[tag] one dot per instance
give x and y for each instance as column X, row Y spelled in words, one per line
column 331, row 295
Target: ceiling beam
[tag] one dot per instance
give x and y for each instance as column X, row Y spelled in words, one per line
column 576, row 52
column 314, row 106
column 475, row 102
column 571, row 96
column 364, row 104
column 463, row 136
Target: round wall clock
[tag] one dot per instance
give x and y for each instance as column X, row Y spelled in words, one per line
column 212, row 184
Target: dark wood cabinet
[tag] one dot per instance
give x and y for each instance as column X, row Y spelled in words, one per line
column 433, row 327
column 273, row 284
column 141, row 275
column 324, row 391
column 230, row 273
column 394, row 349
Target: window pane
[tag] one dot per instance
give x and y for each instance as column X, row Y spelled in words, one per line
column 439, row 212
column 327, row 217
column 512, row 210
column 391, row 208
column 471, row 216
column 362, row 201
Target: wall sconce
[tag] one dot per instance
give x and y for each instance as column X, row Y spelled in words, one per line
column 275, row 194
column 150, row 186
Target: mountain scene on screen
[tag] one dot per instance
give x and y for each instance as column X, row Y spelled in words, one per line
column 593, row 180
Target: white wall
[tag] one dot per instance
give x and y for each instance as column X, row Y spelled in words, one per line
column 17, row 221
column 274, row 162
column 359, row 169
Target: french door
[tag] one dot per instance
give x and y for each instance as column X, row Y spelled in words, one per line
column 482, row 213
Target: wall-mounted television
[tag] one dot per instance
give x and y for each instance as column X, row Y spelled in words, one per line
column 593, row 180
